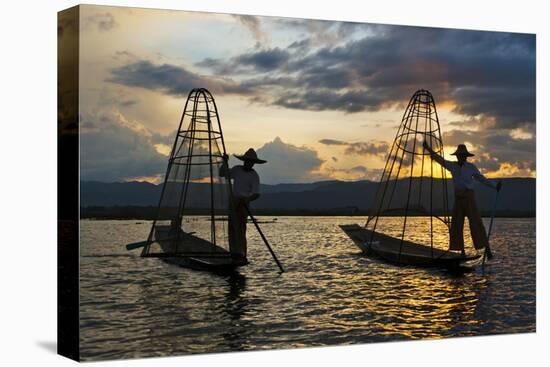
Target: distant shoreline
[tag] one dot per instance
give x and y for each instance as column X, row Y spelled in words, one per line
column 140, row 200
column 149, row 213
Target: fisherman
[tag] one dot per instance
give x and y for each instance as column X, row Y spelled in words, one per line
column 246, row 188
column 463, row 174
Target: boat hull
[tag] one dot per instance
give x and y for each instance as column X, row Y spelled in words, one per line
column 194, row 252
column 395, row 251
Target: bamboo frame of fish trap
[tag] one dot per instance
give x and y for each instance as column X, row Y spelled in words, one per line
column 411, row 185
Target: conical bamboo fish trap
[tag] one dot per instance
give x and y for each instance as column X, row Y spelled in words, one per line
column 409, row 221
column 191, row 226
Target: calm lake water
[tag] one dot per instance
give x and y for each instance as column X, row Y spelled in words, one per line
column 330, row 294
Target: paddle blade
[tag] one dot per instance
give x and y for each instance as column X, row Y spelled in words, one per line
column 489, row 253
column 135, row 245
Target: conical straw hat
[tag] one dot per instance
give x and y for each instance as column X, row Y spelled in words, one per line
column 250, row 155
column 462, row 150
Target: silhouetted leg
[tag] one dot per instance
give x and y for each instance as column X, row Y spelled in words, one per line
column 457, row 226
column 233, row 228
column 237, row 229
column 477, row 229
column 243, row 215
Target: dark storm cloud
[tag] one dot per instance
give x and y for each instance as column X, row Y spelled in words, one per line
column 511, row 108
column 373, row 147
column 481, row 73
column 487, row 74
column 168, row 78
column 368, row 148
column 333, row 78
column 264, row 60
column 325, row 99
column 111, row 151
column 259, row 61
column 496, row 147
column 171, row 79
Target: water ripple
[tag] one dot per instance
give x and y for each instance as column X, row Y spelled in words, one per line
column 134, row 307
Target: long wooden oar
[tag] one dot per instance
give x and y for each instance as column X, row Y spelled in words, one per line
column 135, row 245
column 263, row 238
column 487, row 253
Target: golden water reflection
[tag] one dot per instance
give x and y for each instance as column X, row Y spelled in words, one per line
column 329, row 295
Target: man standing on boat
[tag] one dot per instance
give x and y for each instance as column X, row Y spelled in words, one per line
column 246, row 188
column 463, row 174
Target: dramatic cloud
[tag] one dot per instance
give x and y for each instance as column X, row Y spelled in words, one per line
column 265, row 60
column 509, row 107
column 379, row 148
column 171, row 79
column 486, row 78
column 287, row 163
column 497, row 152
column 113, row 149
column 372, row 148
column 481, row 73
column 325, row 99
column 258, row 61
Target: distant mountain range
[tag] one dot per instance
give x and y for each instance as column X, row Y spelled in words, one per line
column 517, row 198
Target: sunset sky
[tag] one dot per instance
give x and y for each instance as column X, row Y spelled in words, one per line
column 319, row 100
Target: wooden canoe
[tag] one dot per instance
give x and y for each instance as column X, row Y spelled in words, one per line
column 388, row 248
column 193, row 252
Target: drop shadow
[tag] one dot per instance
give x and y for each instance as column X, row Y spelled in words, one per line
column 48, row 345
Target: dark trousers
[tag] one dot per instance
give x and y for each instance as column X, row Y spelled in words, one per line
column 465, row 206
column 237, row 228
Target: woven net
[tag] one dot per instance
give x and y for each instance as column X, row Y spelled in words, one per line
column 412, row 201
column 194, row 206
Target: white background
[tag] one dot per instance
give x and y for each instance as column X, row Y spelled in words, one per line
column 28, row 182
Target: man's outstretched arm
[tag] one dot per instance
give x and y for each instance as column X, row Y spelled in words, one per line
column 436, row 157
column 484, row 180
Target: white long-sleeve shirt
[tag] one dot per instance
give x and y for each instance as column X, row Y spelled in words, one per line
column 245, row 182
column 463, row 175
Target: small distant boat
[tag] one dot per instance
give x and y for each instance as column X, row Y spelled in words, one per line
column 274, row 220
column 403, row 252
